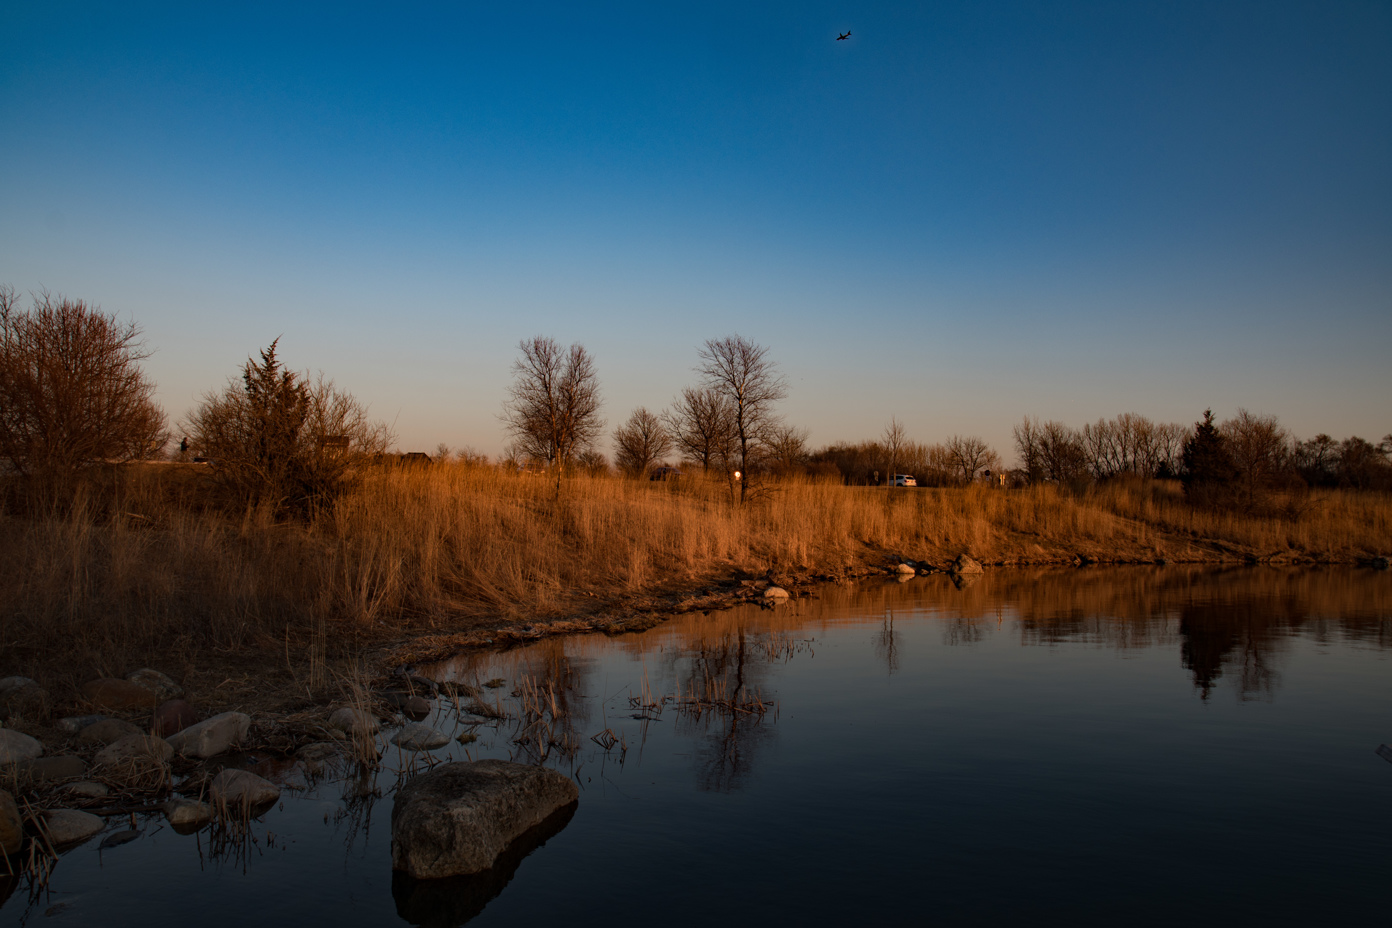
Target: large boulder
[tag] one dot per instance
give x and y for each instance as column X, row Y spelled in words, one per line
column 107, row 731
column 354, row 721
column 965, row 564
column 112, row 695
column 16, row 746
column 135, row 747
column 242, row 789
column 212, row 736
column 11, row 825
column 457, row 818
column 154, row 681
column 21, row 696
column 68, row 826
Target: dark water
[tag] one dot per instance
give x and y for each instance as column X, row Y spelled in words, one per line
column 1137, row 746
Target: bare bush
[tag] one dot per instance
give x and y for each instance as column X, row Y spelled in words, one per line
column 71, row 389
column 701, row 423
column 640, row 443
column 552, row 410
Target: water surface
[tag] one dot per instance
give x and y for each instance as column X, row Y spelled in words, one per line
column 1140, row 745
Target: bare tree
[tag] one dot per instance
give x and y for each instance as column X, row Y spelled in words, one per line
column 970, row 456
column 552, row 410
column 640, row 443
column 749, row 381
column 700, row 423
column 894, row 439
column 1260, row 449
column 278, row 441
column 787, row 448
column 71, row 389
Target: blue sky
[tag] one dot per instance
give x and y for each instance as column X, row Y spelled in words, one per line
column 964, row 214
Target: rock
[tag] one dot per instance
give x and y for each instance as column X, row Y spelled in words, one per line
column 11, row 825
column 212, row 736
column 1379, row 563
column 107, row 731
column 68, row 826
column 354, row 721
column 962, row 581
column 112, row 695
column 155, row 682
column 50, row 769
column 22, row 697
column 418, row 737
column 173, row 717
column 16, row 746
column 75, row 723
column 318, row 754
column 242, row 789
column 457, row 818
column 187, row 812
column 907, row 569
column 965, row 565
column 413, row 707
column 137, row 747
column 775, row 592
column 87, row 789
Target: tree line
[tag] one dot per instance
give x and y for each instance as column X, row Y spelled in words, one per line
column 72, row 393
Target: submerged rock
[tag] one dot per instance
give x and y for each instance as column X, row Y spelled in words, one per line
column 154, row 681
column 16, row 746
column 317, row 755
column 68, row 826
column 11, row 825
column 354, row 721
column 212, row 736
column 187, row 812
column 418, row 737
column 107, row 731
column 459, row 817
column 242, row 788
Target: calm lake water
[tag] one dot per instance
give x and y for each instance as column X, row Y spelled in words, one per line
column 1141, row 746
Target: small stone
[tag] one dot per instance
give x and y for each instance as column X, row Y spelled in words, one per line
column 242, row 788
column 212, row 736
column 354, row 721
column 775, row 592
column 140, row 747
column 11, row 825
column 88, row 789
column 16, row 746
column 908, row 569
column 68, row 826
column 107, row 731
column 50, row 769
column 75, row 723
column 112, row 695
column 1379, row 563
column 187, row 812
column 173, row 717
column 466, row 737
column 154, row 681
column 21, row 696
column 417, row 737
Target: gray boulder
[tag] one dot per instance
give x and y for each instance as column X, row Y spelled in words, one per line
column 136, row 747
column 16, row 746
column 68, row 826
column 212, row 736
column 417, row 737
column 76, row 723
column 107, row 731
column 354, row 721
column 242, row 789
column 156, row 682
column 187, row 812
column 11, row 825
column 457, row 818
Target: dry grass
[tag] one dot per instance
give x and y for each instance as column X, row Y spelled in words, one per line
column 139, row 567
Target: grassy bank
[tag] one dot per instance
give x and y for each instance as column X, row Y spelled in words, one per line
column 143, row 568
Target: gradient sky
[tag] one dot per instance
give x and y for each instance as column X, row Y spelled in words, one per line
column 967, row 213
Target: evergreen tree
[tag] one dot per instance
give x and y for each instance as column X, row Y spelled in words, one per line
column 1206, row 467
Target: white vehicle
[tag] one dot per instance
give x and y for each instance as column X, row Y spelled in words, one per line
column 903, row 480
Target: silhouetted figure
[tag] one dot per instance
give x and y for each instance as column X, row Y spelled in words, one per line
column 183, row 446
column 843, row 37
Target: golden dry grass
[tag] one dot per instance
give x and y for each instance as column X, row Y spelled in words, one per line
column 140, row 566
